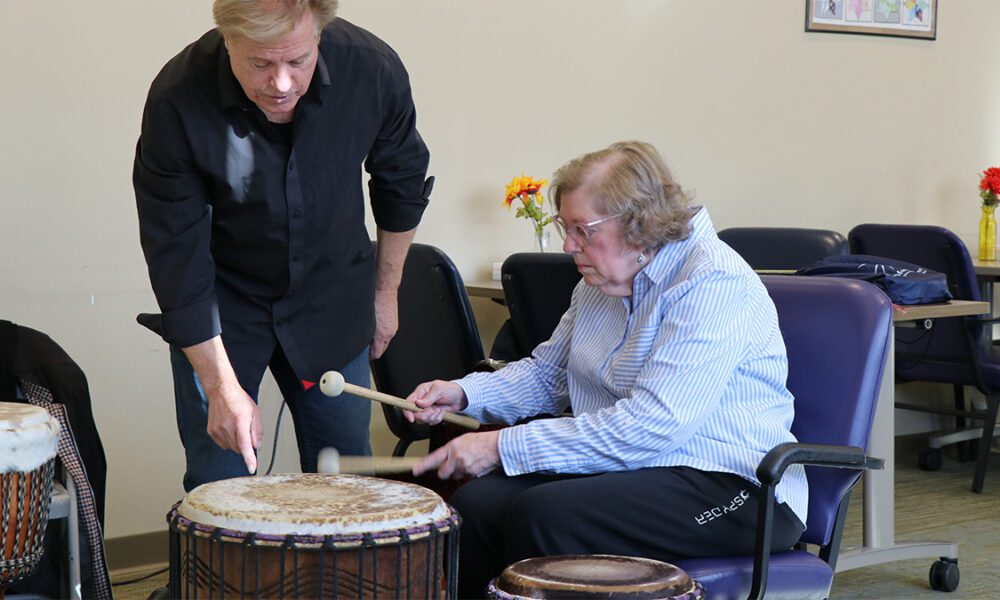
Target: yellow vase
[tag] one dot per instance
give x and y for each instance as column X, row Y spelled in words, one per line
column 988, row 234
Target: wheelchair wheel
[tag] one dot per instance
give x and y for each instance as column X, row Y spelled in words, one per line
column 944, row 575
column 929, row 459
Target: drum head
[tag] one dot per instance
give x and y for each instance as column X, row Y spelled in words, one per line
column 594, row 576
column 28, row 437
column 312, row 505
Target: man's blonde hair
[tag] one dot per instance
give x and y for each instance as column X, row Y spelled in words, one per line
column 264, row 21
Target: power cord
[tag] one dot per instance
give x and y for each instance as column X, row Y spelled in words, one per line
column 274, row 452
column 927, row 335
column 277, row 429
column 138, row 579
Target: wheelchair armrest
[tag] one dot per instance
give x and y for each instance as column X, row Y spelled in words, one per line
column 779, row 458
column 769, row 472
column 487, row 365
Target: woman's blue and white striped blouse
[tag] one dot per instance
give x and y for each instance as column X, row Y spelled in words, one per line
column 693, row 375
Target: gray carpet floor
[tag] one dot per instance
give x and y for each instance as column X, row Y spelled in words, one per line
column 929, row 506
column 934, row 506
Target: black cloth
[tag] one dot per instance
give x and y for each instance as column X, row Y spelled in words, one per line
column 262, row 241
column 662, row 513
column 31, row 360
column 36, row 358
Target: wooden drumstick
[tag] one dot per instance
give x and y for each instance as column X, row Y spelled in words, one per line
column 330, row 461
column 332, row 384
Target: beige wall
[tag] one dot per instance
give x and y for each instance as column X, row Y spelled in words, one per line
column 768, row 124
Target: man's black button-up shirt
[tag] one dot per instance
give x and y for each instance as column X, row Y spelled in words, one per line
column 256, row 232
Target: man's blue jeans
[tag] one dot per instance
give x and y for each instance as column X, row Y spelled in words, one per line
column 320, row 421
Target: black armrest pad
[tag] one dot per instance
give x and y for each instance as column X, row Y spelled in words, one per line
column 487, row 366
column 774, row 463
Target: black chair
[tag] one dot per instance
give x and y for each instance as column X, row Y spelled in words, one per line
column 537, row 287
column 954, row 351
column 783, row 248
column 837, row 336
column 437, row 337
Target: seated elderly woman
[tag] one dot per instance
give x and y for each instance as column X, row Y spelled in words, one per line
column 671, row 360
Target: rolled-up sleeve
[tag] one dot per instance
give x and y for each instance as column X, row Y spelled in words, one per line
column 175, row 226
column 398, row 158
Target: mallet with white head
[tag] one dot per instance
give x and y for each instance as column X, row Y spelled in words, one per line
column 330, row 461
column 332, row 384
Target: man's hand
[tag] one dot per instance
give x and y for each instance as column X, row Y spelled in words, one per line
column 470, row 455
column 436, row 398
column 233, row 417
column 234, row 422
column 386, row 321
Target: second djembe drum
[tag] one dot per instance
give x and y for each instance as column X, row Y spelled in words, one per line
column 589, row 577
column 28, row 440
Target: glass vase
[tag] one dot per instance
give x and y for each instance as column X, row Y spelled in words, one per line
column 541, row 241
column 988, row 233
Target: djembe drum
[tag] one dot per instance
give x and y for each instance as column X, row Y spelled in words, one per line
column 313, row 536
column 28, row 440
column 582, row 577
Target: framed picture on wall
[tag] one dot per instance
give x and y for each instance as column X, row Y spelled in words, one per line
column 900, row 18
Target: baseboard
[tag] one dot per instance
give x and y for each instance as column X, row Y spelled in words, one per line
column 131, row 551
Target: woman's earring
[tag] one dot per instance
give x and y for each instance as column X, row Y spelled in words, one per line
column 641, row 259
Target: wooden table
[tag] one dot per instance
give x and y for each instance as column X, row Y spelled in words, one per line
column 879, row 544
column 485, row 289
column 492, row 289
column 986, row 268
column 988, row 273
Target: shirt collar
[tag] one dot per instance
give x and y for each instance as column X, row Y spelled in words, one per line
column 230, row 92
column 668, row 257
column 322, row 72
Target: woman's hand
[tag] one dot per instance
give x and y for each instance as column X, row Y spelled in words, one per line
column 470, row 455
column 436, row 398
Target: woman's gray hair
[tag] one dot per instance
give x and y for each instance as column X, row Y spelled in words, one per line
column 631, row 179
column 264, row 21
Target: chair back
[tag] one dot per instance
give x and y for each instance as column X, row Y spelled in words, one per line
column 437, row 337
column 537, row 287
column 783, row 247
column 946, row 352
column 836, row 334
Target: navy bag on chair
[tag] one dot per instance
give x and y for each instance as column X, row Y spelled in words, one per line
column 903, row 282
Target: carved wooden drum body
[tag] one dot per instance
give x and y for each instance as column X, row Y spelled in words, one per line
column 582, row 577
column 28, row 440
column 313, row 536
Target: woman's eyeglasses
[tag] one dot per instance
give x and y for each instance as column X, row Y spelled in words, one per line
column 580, row 232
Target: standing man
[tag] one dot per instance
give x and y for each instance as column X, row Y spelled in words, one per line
column 248, row 178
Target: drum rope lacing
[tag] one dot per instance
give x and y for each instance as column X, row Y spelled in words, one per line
column 19, row 568
column 434, row 533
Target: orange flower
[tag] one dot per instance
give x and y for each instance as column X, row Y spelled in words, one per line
column 529, row 191
column 522, row 187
